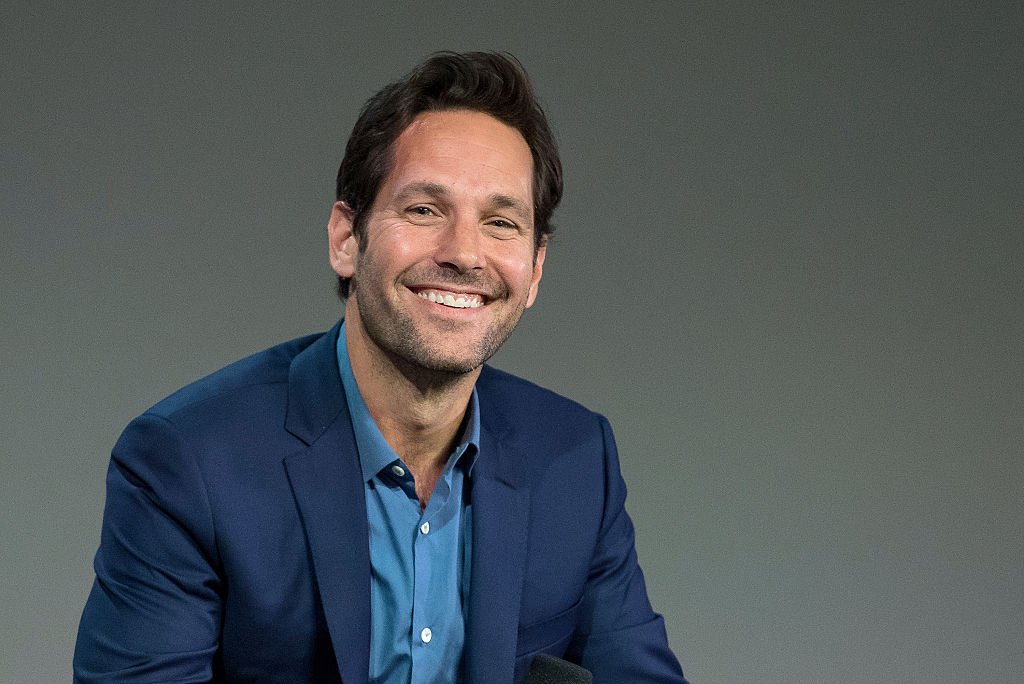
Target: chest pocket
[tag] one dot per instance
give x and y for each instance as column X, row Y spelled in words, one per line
column 550, row 634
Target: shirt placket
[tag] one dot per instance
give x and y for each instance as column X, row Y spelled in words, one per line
column 424, row 620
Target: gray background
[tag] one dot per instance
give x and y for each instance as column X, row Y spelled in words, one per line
column 788, row 268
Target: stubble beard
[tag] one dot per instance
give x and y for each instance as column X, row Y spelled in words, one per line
column 394, row 332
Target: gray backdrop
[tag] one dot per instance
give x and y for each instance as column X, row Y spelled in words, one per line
column 787, row 267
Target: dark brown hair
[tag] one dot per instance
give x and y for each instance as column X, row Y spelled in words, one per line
column 488, row 82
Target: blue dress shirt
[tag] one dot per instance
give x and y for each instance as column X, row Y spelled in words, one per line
column 419, row 578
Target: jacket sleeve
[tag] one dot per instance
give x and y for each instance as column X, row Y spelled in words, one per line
column 155, row 607
column 619, row 637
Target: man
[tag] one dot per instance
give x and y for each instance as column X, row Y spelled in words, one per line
column 374, row 504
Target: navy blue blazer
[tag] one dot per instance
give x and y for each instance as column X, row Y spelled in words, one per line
column 235, row 541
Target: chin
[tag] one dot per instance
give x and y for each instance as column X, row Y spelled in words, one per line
column 449, row 364
column 432, row 346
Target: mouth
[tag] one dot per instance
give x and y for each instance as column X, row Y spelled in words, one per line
column 451, row 299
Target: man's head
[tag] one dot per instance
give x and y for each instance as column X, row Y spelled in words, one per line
column 486, row 82
column 448, row 261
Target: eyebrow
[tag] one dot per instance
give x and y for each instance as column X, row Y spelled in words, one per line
column 432, row 190
column 509, row 202
column 440, row 192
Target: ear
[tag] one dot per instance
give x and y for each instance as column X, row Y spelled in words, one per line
column 342, row 244
column 538, row 270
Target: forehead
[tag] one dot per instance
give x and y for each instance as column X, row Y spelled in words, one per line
column 464, row 149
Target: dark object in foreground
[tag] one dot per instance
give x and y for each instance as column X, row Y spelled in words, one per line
column 547, row 669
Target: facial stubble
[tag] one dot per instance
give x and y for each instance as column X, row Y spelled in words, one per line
column 394, row 331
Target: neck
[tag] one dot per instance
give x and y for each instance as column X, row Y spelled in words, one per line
column 418, row 411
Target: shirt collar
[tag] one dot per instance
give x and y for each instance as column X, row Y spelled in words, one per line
column 375, row 453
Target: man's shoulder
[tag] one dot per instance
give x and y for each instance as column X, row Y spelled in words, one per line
column 528, row 401
column 244, row 380
column 558, row 445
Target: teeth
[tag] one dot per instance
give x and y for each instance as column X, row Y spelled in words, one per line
column 448, row 299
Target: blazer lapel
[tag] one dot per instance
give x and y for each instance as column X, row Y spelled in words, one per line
column 501, row 507
column 327, row 484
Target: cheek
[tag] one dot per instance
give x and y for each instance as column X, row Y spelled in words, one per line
column 518, row 271
column 392, row 251
column 408, row 244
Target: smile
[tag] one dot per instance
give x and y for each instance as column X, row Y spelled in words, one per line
column 456, row 300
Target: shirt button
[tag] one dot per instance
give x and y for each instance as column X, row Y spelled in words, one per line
column 398, row 470
column 425, row 528
column 426, row 635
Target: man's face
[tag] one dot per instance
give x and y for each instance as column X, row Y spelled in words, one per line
column 447, row 264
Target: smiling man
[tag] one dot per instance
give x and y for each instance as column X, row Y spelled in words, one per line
column 375, row 504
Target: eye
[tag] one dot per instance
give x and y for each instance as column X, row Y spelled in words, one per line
column 422, row 211
column 502, row 223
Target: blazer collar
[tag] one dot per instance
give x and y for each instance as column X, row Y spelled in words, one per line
column 315, row 395
column 498, row 426
column 327, row 484
column 328, row 489
column 501, row 510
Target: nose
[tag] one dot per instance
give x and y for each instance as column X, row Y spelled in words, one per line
column 460, row 246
